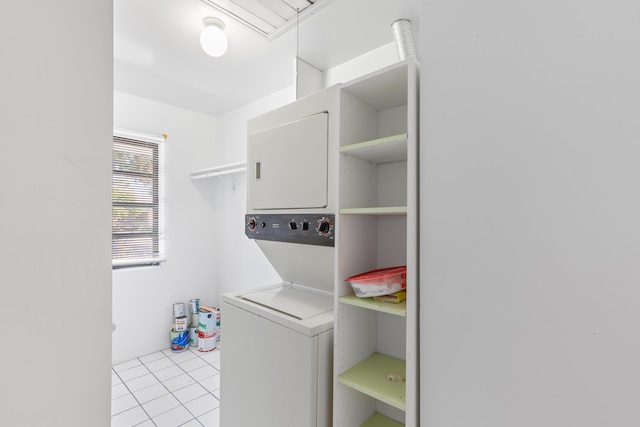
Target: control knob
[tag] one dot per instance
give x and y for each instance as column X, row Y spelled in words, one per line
column 324, row 227
column 252, row 224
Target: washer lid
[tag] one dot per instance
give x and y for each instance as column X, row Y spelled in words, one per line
column 294, row 302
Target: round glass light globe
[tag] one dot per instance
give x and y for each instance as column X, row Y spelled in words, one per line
column 213, row 41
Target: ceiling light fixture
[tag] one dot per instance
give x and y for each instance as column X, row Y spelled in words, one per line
column 212, row 39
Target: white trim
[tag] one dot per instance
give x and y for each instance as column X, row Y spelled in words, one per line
column 137, row 261
column 138, row 136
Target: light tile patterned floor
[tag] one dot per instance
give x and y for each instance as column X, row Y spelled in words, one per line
column 167, row 389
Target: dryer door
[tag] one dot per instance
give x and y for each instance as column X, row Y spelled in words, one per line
column 288, row 165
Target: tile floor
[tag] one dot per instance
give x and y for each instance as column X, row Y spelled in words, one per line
column 167, row 389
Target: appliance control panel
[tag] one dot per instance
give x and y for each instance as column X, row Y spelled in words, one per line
column 310, row 229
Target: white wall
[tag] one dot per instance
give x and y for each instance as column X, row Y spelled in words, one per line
column 241, row 265
column 143, row 297
column 374, row 60
column 529, row 213
column 55, row 222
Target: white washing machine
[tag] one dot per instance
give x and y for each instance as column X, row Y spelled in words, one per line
column 278, row 345
column 277, row 358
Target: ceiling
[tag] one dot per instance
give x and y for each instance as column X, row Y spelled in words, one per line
column 157, row 53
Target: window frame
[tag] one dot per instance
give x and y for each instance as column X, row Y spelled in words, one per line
column 157, row 144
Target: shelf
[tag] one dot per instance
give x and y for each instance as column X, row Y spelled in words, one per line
column 379, row 420
column 398, row 309
column 370, row 377
column 385, row 88
column 385, row 210
column 220, row 171
column 382, row 150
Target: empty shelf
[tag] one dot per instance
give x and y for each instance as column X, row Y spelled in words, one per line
column 379, row 420
column 382, row 150
column 385, row 210
column 370, row 377
column 220, row 170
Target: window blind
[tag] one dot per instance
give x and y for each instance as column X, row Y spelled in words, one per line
column 138, row 199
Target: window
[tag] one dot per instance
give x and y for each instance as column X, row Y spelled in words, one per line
column 138, row 200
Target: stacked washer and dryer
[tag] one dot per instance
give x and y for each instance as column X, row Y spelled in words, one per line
column 277, row 358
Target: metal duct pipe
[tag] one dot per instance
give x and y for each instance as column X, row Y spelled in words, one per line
column 403, row 35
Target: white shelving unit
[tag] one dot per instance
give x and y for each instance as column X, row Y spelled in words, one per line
column 377, row 228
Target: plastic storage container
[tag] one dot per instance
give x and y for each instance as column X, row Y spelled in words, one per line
column 383, row 281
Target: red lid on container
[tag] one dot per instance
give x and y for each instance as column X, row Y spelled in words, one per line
column 379, row 273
